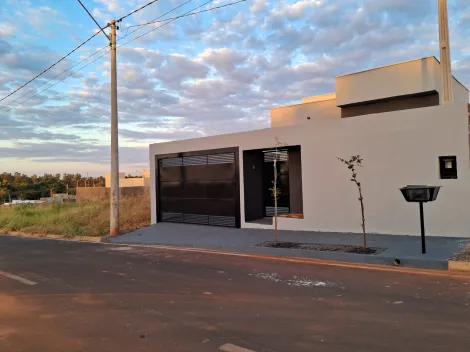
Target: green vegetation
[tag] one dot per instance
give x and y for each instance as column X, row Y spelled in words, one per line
column 90, row 219
column 20, row 186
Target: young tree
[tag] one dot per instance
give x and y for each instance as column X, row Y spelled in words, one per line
column 276, row 193
column 353, row 163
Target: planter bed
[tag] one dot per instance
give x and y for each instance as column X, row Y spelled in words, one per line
column 322, row 247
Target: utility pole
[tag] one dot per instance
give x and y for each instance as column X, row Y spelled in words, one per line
column 444, row 46
column 114, row 216
column 114, row 213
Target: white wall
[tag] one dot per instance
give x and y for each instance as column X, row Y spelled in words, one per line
column 297, row 114
column 399, row 148
column 317, row 98
column 422, row 75
column 460, row 93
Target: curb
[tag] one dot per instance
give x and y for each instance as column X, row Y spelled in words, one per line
column 459, row 266
column 343, row 264
column 55, row 237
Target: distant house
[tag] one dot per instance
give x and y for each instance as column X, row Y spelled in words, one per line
column 129, row 182
column 19, row 202
column 392, row 116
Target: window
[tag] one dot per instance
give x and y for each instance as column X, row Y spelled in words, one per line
column 448, row 167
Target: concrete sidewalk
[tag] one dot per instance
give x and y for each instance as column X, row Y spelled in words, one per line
column 405, row 248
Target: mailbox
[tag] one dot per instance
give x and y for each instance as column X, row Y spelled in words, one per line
column 417, row 194
column 421, row 194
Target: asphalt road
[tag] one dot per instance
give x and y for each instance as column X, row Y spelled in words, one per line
column 66, row 296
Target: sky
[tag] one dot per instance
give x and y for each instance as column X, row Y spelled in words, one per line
column 216, row 72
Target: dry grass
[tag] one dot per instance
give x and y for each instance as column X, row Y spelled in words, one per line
column 90, row 219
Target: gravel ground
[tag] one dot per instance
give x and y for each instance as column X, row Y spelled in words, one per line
column 463, row 256
column 322, row 247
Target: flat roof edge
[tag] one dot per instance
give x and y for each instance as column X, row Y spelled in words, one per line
column 385, row 66
column 400, row 63
column 310, row 102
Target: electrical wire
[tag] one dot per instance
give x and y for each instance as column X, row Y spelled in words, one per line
column 188, row 14
column 167, row 21
column 50, row 67
column 141, row 25
column 88, row 57
column 164, row 24
column 53, row 78
column 136, row 10
column 71, row 52
column 63, row 79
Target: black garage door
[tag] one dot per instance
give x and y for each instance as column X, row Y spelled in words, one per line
column 198, row 188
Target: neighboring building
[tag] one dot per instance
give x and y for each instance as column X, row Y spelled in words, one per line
column 59, row 198
column 19, row 202
column 129, row 182
column 392, row 116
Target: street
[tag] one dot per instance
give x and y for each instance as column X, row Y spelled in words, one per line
column 70, row 296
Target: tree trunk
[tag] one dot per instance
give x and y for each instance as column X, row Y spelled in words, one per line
column 275, row 210
column 363, row 218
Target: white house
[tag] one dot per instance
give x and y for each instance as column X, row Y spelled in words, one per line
column 392, row 116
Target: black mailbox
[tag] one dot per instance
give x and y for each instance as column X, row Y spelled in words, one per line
column 421, row 194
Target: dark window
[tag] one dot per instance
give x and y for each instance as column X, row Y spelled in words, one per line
column 448, row 167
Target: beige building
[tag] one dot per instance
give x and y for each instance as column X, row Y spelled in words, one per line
column 392, row 116
column 129, row 182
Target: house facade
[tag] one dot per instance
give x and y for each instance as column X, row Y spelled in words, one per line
column 392, row 116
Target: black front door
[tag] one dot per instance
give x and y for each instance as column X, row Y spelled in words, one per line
column 199, row 189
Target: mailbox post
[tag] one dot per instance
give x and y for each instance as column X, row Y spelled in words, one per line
column 421, row 195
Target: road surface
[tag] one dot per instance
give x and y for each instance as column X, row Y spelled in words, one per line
column 67, row 296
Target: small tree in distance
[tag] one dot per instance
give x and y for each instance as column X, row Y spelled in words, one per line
column 353, row 163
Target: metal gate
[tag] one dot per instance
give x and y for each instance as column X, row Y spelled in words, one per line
column 199, row 189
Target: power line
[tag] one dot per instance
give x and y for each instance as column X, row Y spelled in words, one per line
column 188, row 14
column 95, row 53
column 136, row 10
column 63, row 79
column 50, row 67
column 70, row 53
column 91, row 16
column 53, row 78
column 164, row 24
column 167, row 21
column 141, row 25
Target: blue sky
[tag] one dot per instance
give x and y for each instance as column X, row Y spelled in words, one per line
column 212, row 73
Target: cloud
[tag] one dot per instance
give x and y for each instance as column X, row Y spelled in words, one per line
column 223, row 59
column 259, row 6
column 7, row 30
column 177, row 68
column 5, row 47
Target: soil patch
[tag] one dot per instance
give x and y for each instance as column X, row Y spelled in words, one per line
column 463, row 256
column 322, row 247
